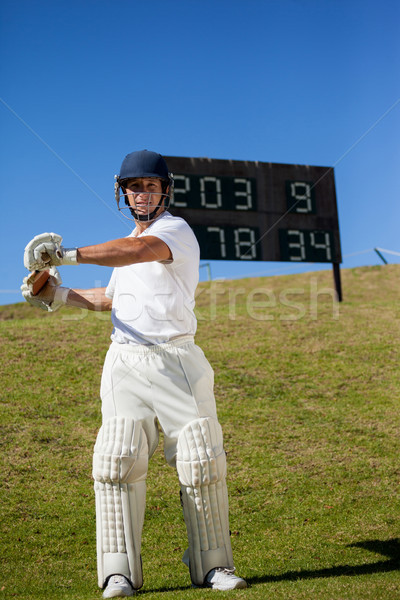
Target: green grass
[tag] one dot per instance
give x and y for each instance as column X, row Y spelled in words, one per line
column 308, row 396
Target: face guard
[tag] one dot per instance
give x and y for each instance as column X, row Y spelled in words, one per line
column 141, row 206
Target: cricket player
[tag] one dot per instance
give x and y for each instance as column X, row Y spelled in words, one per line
column 154, row 373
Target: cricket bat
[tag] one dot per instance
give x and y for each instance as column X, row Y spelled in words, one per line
column 38, row 279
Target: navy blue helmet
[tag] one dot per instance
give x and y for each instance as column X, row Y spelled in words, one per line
column 144, row 164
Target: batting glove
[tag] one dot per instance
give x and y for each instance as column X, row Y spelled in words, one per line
column 45, row 250
column 60, row 295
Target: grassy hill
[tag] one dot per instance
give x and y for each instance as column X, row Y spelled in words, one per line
column 308, row 395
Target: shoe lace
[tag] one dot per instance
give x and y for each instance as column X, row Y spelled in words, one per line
column 118, row 579
column 225, row 570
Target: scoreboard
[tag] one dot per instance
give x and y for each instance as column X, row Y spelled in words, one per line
column 258, row 211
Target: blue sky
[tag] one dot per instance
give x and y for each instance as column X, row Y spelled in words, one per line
column 285, row 81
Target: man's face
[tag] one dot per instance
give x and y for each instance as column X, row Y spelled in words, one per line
column 143, row 194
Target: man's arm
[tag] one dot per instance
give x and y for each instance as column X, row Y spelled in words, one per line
column 92, row 299
column 45, row 250
column 125, row 251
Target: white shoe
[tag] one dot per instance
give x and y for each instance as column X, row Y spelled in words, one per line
column 118, row 586
column 224, row 579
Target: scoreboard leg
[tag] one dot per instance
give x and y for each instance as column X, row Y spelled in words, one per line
column 337, row 280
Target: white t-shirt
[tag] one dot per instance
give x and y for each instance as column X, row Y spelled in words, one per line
column 153, row 302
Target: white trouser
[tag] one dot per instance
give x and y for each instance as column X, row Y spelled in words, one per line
column 171, row 383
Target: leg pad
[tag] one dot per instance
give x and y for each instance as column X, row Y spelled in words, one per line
column 119, row 471
column 201, row 466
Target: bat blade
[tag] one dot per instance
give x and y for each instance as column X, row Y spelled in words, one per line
column 38, row 280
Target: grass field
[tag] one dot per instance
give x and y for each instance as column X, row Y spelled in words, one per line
column 308, row 396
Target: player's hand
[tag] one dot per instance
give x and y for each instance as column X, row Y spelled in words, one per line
column 45, row 250
column 48, row 298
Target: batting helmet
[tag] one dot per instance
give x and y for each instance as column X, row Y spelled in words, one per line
column 144, row 163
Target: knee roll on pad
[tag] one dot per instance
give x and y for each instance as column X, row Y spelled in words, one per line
column 119, row 470
column 201, row 466
column 120, row 452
